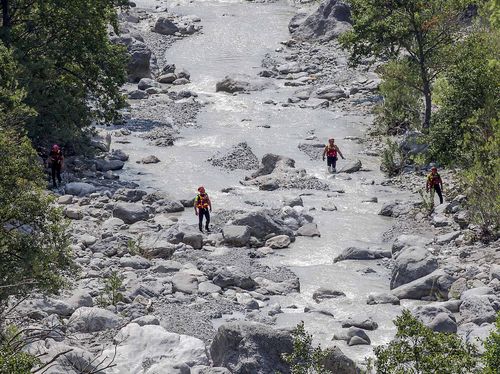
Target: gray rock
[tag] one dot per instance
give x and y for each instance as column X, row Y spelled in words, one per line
column 167, row 78
column 166, row 266
column 138, row 95
column 261, row 224
column 73, row 213
column 184, row 282
column 357, row 253
column 79, row 189
column 409, row 241
column 388, row 209
column 87, row 320
column 353, row 336
column 309, row 229
column 443, row 322
column 208, row 288
column 356, row 340
column 65, row 200
column 426, row 286
column 337, row 362
column 48, row 305
column 330, row 92
column 165, row 27
column 478, row 291
column 146, row 83
column 351, row 167
column 233, row 276
column 362, row 323
column 150, row 160
column 446, row 238
column 193, row 239
column 477, row 335
column 209, row 370
column 79, row 298
column 129, row 195
column 139, row 62
column 477, row 309
column 237, row 236
column 249, row 347
column 130, row 212
column 297, row 20
column 278, row 242
column 118, row 154
column 106, row 165
column 436, row 317
column 181, row 81
column 147, row 320
column 495, row 271
column 382, row 298
column 242, row 83
column 135, row 262
column 439, row 220
column 239, row 157
column 324, row 293
column 172, row 206
column 412, row 263
column 294, row 201
column 331, row 19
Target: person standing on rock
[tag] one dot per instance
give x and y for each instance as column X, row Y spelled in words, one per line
column 330, row 152
column 202, row 208
column 434, row 185
column 56, row 163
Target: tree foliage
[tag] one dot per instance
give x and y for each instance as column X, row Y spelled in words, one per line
column 415, row 32
column 419, row 350
column 33, row 245
column 491, row 357
column 69, row 69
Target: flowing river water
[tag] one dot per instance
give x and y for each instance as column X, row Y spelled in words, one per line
column 236, row 36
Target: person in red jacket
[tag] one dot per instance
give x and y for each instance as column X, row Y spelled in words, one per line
column 434, row 185
column 331, row 150
column 202, row 208
column 56, row 163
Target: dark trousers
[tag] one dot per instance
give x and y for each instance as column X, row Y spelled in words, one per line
column 331, row 161
column 437, row 189
column 56, row 172
column 203, row 212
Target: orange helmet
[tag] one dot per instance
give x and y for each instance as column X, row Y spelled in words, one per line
column 201, row 189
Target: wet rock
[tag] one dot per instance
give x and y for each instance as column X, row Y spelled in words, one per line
column 164, row 26
column 88, row 320
column 233, row 276
column 242, row 83
column 412, row 263
column 118, row 154
column 331, row 19
column 237, row 236
column 351, row 167
column 249, row 347
column 278, row 242
column 150, row 160
column 167, row 78
column 261, row 224
column 130, row 212
column 322, row 294
column 184, row 282
column 79, row 188
column 357, row 253
column 129, row 195
column 309, row 229
column 139, row 344
column 106, row 165
column 382, row 298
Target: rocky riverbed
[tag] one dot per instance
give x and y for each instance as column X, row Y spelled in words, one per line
column 241, row 97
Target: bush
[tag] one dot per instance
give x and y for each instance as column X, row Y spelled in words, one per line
column 12, row 359
column 491, row 357
column 392, row 159
column 33, row 242
column 417, row 349
column 402, row 104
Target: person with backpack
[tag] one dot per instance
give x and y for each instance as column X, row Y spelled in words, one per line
column 331, row 150
column 434, row 185
column 202, row 208
column 56, row 163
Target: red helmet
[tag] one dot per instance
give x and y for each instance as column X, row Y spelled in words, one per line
column 331, row 140
column 434, row 168
column 201, row 189
column 55, row 147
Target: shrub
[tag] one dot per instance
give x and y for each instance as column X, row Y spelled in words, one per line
column 491, row 357
column 392, row 159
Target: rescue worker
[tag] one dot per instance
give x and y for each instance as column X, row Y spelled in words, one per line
column 434, row 184
column 56, row 163
column 331, row 151
column 202, row 208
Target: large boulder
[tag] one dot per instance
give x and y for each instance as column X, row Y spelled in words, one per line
column 412, row 263
column 242, row 83
column 79, row 189
column 406, row 240
column 184, row 282
column 351, row 167
column 165, row 27
column 249, row 347
column 236, row 236
column 425, row 287
column 261, row 224
column 361, row 253
column 106, row 165
column 130, row 212
column 332, row 18
column 330, row 92
column 309, row 229
column 88, row 320
column 478, row 309
column 270, row 162
column 436, row 317
column 278, row 242
column 139, row 62
column 337, row 362
column 233, row 276
column 129, row 195
column 156, row 348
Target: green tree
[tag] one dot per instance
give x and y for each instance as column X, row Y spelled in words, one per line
column 419, row 350
column 69, row 68
column 491, row 357
column 34, row 253
column 417, row 33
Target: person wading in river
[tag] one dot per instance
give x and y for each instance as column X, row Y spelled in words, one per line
column 330, row 152
column 202, row 208
column 435, row 185
column 56, row 163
